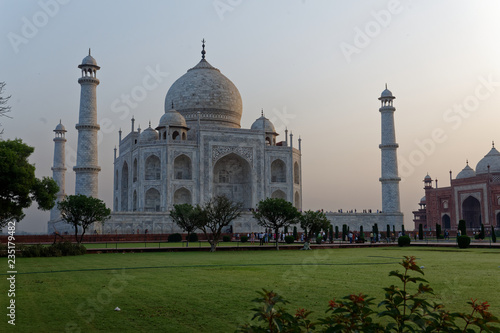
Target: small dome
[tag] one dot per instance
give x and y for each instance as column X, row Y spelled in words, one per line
column 60, row 128
column 172, row 118
column 423, row 200
column 491, row 159
column 89, row 60
column 264, row 124
column 466, row 172
column 427, row 178
column 148, row 135
column 386, row 93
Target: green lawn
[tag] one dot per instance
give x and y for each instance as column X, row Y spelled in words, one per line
column 212, row 292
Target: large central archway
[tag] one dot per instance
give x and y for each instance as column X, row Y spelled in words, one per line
column 471, row 212
column 233, row 178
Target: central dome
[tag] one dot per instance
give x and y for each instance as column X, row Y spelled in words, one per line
column 206, row 90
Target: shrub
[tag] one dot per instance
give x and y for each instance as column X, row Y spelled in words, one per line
column 493, row 235
column 289, row 239
column 193, row 237
column 174, row 238
column 404, row 241
column 462, row 227
column 226, row 238
column 402, row 310
column 319, row 239
column 244, row 239
column 54, row 250
column 295, row 233
column 420, row 231
column 463, row 241
column 336, row 232
column 438, row 231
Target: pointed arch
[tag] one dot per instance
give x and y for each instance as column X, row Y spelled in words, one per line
column 182, row 167
column 446, row 222
column 296, row 173
column 278, row 194
column 152, row 168
column 471, row 212
column 278, row 171
column 134, row 201
column 124, row 191
column 182, row 196
column 152, row 200
column 297, row 200
column 232, row 177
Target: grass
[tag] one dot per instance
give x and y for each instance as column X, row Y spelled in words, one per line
column 212, row 292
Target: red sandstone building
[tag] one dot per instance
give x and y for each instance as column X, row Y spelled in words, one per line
column 473, row 196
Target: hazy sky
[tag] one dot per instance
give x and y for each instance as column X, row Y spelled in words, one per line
column 316, row 67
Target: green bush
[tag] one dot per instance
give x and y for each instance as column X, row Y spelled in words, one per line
column 295, row 233
column 289, row 239
column 404, row 241
column 420, row 231
column 174, row 238
column 244, row 239
column 462, row 227
column 226, row 238
column 54, row 250
column 319, row 239
column 493, row 235
column 193, row 237
column 463, row 241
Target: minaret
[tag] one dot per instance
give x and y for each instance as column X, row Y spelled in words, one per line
column 86, row 168
column 389, row 179
column 59, row 168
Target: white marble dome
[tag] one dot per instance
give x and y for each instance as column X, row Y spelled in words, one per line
column 148, row 135
column 423, row 200
column 492, row 159
column 466, row 172
column 263, row 124
column 60, row 128
column 206, row 90
column 172, row 118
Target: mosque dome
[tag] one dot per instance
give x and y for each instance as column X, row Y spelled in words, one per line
column 427, row 178
column 423, row 200
column 89, row 60
column 148, row 135
column 492, row 159
column 172, row 118
column 263, row 124
column 466, row 172
column 386, row 93
column 206, row 90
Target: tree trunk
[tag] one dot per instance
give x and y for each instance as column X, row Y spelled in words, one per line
column 277, row 240
column 213, row 245
column 187, row 240
column 76, row 234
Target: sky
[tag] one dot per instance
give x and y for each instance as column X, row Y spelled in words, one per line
column 314, row 67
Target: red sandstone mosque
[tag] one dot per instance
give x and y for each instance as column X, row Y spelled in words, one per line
column 473, row 196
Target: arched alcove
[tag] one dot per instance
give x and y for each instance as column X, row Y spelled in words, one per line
column 297, row 200
column 232, row 177
column 152, row 168
column 278, row 194
column 124, row 191
column 446, row 222
column 182, row 167
column 296, row 173
column 152, row 200
column 471, row 212
column 182, row 196
column 134, row 174
column 278, row 171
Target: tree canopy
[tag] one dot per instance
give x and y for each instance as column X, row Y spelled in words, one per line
column 18, row 185
column 81, row 211
column 216, row 214
column 312, row 222
column 275, row 213
column 187, row 217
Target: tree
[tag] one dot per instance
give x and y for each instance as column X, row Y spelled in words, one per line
column 481, row 232
column 313, row 222
column 4, row 108
column 18, row 185
column 217, row 214
column 276, row 213
column 438, row 231
column 81, row 211
column 187, row 218
column 420, row 231
column 336, row 232
column 493, row 235
column 295, row 233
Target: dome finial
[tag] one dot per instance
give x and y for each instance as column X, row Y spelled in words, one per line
column 203, row 49
column 89, row 50
column 493, row 144
column 467, row 161
column 386, row 86
column 262, row 112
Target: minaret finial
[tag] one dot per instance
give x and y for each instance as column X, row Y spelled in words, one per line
column 89, row 50
column 386, row 86
column 262, row 112
column 203, row 50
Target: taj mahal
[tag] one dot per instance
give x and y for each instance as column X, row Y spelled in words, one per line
column 197, row 150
